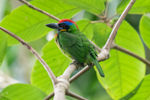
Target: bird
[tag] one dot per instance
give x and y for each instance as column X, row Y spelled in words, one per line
column 73, row 43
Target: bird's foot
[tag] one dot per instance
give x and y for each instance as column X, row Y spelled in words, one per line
column 78, row 65
column 91, row 65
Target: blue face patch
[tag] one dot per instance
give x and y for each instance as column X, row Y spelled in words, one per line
column 68, row 23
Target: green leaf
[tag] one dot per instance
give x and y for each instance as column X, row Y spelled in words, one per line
column 30, row 24
column 101, row 33
column 143, row 92
column 86, row 27
column 145, row 29
column 139, row 7
column 3, row 45
column 22, row 92
column 93, row 6
column 57, row 61
column 3, row 98
column 123, row 72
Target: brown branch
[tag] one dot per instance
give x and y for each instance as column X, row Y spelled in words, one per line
column 69, row 93
column 106, row 9
column 96, row 47
column 35, row 8
column 102, row 56
column 47, row 68
column 98, row 21
column 117, row 25
column 81, row 72
column 131, row 54
column 49, row 96
column 112, row 16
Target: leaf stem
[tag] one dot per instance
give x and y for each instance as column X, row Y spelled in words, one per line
column 106, row 9
column 131, row 54
column 112, row 16
column 69, row 93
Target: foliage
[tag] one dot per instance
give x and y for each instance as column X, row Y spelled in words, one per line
column 123, row 72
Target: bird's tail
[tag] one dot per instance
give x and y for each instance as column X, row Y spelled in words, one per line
column 99, row 68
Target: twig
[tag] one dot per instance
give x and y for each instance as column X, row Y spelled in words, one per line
column 49, row 96
column 98, row 21
column 116, row 27
column 69, row 93
column 102, row 17
column 112, row 16
column 81, row 72
column 35, row 8
column 47, row 68
column 106, row 9
column 96, row 47
column 132, row 54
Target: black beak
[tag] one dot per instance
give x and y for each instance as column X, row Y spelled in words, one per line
column 54, row 26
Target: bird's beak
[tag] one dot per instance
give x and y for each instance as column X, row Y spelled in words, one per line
column 54, row 26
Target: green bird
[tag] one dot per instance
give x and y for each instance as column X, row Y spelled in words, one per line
column 73, row 43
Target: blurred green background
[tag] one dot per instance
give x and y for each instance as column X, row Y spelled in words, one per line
column 18, row 61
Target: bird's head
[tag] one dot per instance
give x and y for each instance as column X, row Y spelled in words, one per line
column 66, row 25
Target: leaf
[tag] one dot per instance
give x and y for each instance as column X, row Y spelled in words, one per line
column 22, row 92
column 101, row 33
column 3, row 45
column 3, row 98
column 93, row 6
column 123, row 72
column 86, row 27
column 143, row 92
column 30, row 24
column 139, row 7
column 144, row 29
column 57, row 61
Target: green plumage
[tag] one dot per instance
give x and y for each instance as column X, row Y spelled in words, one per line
column 75, row 44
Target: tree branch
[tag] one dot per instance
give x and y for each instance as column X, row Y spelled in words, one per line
column 131, row 54
column 106, row 9
column 35, row 8
column 112, row 16
column 102, row 56
column 116, row 27
column 49, row 96
column 69, row 93
column 47, row 68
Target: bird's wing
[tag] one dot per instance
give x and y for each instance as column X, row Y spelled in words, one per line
column 74, row 45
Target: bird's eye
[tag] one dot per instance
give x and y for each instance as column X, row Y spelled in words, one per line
column 63, row 25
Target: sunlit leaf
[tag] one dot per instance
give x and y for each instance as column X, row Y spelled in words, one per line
column 139, row 7
column 145, row 29
column 93, row 6
column 30, row 24
column 22, row 92
column 57, row 61
column 86, row 27
column 143, row 92
column 123, row 72
column 101, row 33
